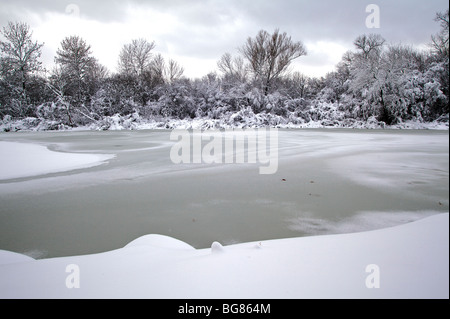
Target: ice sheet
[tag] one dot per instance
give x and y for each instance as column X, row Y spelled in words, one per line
column 19, row 160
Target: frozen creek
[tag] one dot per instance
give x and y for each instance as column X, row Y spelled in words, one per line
column 327, row 182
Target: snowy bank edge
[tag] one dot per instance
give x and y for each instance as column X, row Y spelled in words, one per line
column 269, row 269
column 135, row 122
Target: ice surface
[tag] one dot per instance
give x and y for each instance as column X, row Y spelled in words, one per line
column 361, row 221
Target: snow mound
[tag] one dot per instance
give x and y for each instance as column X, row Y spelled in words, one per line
column 412, row 262
column 160, row 241
column 216, row 248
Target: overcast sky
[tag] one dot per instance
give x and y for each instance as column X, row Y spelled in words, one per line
column 196, row 33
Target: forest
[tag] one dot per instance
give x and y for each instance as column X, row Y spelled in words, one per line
column 376, row 82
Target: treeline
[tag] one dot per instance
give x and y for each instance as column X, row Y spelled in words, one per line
column 375, row 81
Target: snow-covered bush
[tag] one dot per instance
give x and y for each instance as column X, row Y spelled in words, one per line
column 117, row 122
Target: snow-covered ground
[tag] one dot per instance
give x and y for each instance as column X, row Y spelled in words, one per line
column 407, row 261
column 136, row 122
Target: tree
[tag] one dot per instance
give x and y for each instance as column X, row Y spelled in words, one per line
column 269, row 56
column 135, row 58
column 440, row 47
column 394, row 82
column 174, row 71
column 336, row 83
column 296, row 85
column 369, row 44
column 76, row 76
column 440, row 41
column 76, row 64
column 167, row 73
column 19, row 59
column 137, row 67
column 366, row 74
column 233, row 68
column 158, row 65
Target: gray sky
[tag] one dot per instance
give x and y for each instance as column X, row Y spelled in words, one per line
column 197, row 32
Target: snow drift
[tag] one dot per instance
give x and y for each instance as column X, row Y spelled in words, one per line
column 412, row 262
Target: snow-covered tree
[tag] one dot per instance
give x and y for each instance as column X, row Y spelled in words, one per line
column 76, row 63
column 19, row 62
column 135, row 58
column 77, row 75
column 440, row 47
column 269, row 56
column 295, row 85
column 367, row 77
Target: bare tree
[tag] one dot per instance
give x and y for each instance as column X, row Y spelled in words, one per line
column 158, row 66
column 440, row 41
column 369, row 44
column 99, row 71
column 169, row 72
column 440, row 47
column 233, row 68
column 299, row 84
column 269, row 56
column 135, row 58
column 174, row 71
column 19, row 55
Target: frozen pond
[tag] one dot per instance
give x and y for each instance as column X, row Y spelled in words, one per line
column 327, row 181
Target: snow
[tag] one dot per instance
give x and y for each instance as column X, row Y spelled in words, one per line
column 241, row 119
column 408, row 261
column 9, row 257
column 251, row 120
column 26, row 159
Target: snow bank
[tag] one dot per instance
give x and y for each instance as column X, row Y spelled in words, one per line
column 25, row 160
column 237, row 120
column 242, row 119
column 9, row 257
column 407, row 261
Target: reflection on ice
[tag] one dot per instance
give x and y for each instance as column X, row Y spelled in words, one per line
column 362, row 221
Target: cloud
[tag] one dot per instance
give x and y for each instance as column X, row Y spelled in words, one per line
column 322, row 57
column 200, row 31
column 104, row 11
